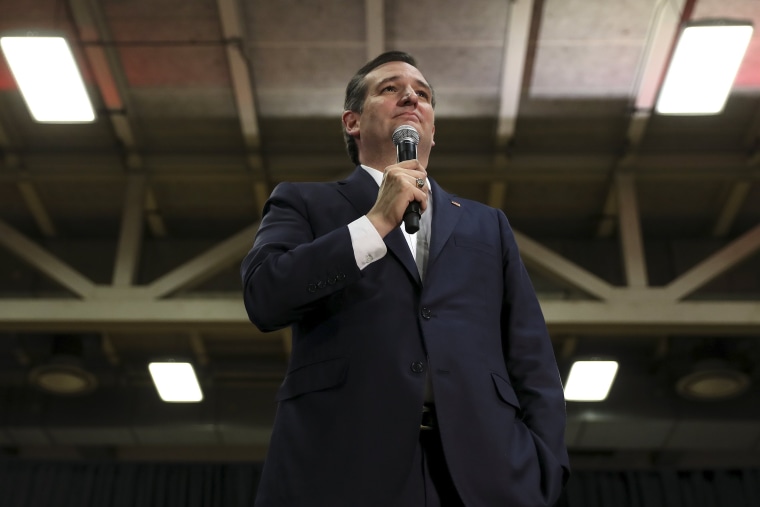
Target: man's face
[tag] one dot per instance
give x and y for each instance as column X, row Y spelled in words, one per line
column 397, row 94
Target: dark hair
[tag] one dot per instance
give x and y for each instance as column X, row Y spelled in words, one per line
column 356, row 92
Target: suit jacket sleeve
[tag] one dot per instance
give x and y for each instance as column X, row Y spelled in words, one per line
column 294, row 264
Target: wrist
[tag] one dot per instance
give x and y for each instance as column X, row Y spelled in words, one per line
column 380, row 224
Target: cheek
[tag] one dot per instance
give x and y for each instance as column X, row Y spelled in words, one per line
column 379, row 110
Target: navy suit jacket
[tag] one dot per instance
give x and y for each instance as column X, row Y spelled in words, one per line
column 348, row 414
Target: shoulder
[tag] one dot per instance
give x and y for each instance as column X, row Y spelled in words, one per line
column 442, row 197
column 306, row 188
column 302, row 190
column 476, row 216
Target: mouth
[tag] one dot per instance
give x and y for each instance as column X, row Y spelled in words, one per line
column 409, row 115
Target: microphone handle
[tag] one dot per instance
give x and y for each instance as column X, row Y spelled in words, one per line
column 412, row 217
column 406, row 150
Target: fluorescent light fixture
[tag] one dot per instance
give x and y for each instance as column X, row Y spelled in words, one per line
column 176, row 382
column 704, row 66
column 590, row 380
column 49, row 80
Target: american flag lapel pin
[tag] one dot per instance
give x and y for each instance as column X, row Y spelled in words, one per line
column 456, row 204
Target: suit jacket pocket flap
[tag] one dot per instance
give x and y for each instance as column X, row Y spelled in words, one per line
column 465, row 242
column 505, row 391
column 313, row 377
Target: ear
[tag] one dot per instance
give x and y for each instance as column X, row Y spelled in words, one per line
column 351, row 122
column 432, row 141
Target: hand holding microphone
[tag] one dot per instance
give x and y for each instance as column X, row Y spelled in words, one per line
column 389, row 209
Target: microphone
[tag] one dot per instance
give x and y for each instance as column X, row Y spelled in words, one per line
column 406, row 139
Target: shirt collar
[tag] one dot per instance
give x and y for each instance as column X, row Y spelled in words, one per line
column 378, row 175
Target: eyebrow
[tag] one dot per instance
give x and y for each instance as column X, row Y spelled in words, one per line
column 396, row 78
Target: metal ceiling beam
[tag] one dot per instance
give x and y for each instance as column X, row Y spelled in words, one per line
column 663, row 31
column 513, row 68
column 104, row 63
column 231, row 17
column 110, row 315
column 153, row 216
column 204, row 265
column 112, row 84
column 192, row 272
column 37, row 208
column 643, row 315
column 665, row 24
column 28, row 190
column 538, row 256
column 609, row 218
column 520, row 17
column 375, row 26
column 105, row 66
column 632, row 242
column 130, row 237
column 737, row 195
column 652, row 310
column 712, row 267
column 44, row 261
column 652, row 316
column 53, row 166
column 233, row 30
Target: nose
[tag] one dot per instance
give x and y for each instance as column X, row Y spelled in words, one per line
column 409, row 96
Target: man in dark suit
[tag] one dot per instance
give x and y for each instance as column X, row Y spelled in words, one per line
column 421, row 372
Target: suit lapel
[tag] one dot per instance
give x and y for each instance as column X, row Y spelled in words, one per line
column 446, row 214
column 360, row 189
column 396, row 243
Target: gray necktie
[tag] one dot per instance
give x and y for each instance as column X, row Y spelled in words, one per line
column 423, row 244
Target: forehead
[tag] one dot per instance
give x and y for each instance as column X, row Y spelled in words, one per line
column 394, row 70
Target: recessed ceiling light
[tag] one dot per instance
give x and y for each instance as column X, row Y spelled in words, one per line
column 48, row 78
column 704, row 66
column 713, row 380
column 590, row 380
column 63, row 377
column 176, row 381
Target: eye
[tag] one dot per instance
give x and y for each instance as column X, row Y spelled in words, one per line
column 389, row 88
column 423, row 94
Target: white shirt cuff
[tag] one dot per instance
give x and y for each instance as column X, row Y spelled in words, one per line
column 366, row 241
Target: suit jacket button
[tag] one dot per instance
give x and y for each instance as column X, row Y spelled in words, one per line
column 418, row 367
column 332, row 279
column 426, row 313
column 312, row 287
column 321, row 284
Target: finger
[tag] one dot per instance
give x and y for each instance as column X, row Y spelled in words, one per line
column 411, row 165
column 421, row 196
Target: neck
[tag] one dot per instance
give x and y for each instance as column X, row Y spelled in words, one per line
column 381, row 160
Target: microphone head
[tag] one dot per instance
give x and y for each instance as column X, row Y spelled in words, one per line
column 406, row 133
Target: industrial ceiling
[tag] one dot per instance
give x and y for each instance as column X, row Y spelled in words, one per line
column 120, row 240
